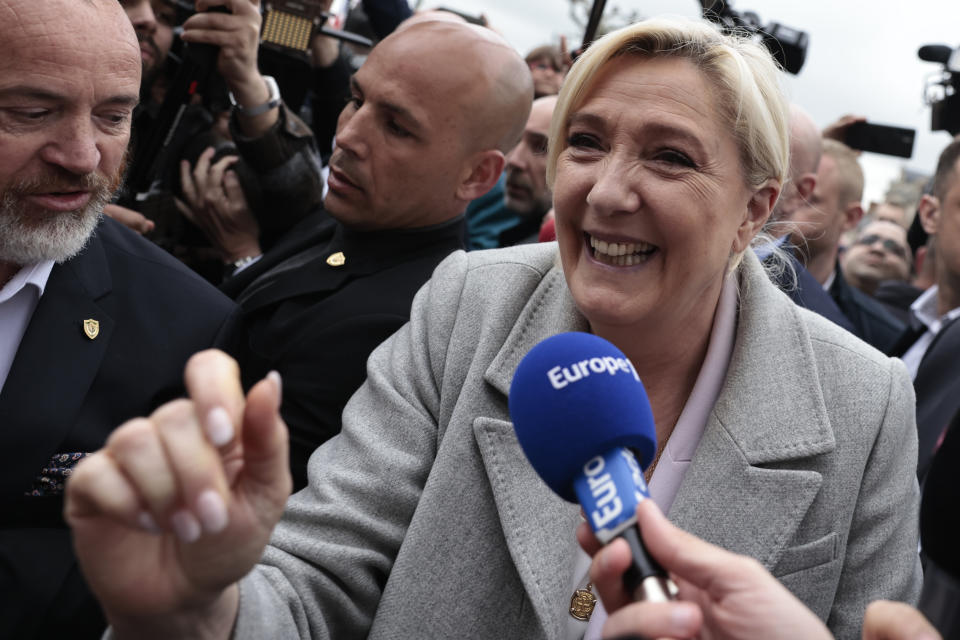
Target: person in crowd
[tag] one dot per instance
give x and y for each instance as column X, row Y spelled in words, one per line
column 879, row 253
column 889, row 212
column 414, row 145
column 668, row 156
column 96, row 323
column 795, row 280
column 281, row 177
column 929, row 347
column 721, row 594
column 513, row 212
column 548, row 67
column 832, row 209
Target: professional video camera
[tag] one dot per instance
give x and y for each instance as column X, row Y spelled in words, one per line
column 787, row 45
column 943, row 93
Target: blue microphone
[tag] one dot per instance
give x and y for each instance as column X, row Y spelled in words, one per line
column 581, row 414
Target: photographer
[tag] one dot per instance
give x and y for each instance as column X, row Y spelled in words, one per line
column 274, row 156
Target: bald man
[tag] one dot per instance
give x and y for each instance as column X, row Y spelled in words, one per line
column 805, row 151
column 425, row 132
column 96, row 323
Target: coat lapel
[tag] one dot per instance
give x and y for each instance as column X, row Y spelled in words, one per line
column 738, row 492
column 539, row 526
column 54, row 367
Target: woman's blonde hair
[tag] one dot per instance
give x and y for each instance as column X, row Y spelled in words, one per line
column 745, row 78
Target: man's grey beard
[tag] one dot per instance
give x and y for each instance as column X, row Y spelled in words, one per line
column 58, row 236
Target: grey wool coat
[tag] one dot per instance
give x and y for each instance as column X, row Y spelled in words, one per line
column 423, row 519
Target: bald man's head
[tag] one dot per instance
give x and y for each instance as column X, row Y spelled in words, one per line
column 805, row 150
column 436, row 106
column 474, row 67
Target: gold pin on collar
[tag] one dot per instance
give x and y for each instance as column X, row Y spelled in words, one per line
column 337, row 259
column 582, row 603
column 91, row 328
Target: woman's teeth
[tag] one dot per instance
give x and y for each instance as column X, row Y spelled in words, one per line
column 621, row 254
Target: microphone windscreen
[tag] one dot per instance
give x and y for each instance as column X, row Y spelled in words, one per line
column 575, row 396
column 939, row 514
column 935, row 53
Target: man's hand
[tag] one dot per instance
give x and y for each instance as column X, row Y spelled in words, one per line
column 237, row 34
column 129, row 218
column 215, row 203
column 887, row 620
column 838, row 130
column 179, row 506
column 722, row 594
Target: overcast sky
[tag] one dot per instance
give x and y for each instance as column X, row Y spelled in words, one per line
column 862, row 57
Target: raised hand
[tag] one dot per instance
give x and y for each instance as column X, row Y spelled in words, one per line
column 179, row 506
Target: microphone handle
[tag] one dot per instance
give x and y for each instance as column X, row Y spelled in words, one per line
column 645, row 579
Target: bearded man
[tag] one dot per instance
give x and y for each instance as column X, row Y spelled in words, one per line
column 95, row 322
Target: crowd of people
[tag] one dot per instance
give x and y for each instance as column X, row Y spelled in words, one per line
column 230, row 273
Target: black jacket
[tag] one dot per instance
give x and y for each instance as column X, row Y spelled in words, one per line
column 66, row 392
column 316, row 323
column 872, row 323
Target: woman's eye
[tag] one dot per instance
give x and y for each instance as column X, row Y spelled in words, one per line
column 673, row 157
column 582, row 141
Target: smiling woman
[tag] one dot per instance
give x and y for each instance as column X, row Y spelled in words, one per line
column 782, row 437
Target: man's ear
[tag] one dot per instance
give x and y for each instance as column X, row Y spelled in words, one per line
column 852, row 215
column 806, row 183
column 759, row 208
column 929, row 212
column 484, row 171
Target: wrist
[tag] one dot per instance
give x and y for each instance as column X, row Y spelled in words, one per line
column 257, row 97
column 212, row 620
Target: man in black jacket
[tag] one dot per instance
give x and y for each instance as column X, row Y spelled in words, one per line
column 433, row 112
column 96, row 323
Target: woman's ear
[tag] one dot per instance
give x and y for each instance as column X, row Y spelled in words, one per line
column 759, row 207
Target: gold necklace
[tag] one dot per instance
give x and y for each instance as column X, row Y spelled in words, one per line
column 582, row 603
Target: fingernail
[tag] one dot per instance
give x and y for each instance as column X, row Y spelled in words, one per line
column 219, row 426
column 212, row 511
column 185, row 525
column 147, row 523
column 274, row 376
column 682, row 616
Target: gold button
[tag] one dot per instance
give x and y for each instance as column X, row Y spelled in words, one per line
column 337, row 259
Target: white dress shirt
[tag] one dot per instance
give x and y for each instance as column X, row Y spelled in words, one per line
column 18, row 300
column 924, row 309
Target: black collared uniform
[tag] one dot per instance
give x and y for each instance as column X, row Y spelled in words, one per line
column 319, row 302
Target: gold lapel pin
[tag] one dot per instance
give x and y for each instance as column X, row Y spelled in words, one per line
column 91, row 328
column 337, row 259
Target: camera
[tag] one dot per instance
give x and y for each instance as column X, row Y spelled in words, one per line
column 787, row 45
column 942, row 92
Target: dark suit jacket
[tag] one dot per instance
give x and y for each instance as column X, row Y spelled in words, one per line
column 808, row 293
column 64, row 394
column 937, row 386
column 317, row 323
column 872, row 323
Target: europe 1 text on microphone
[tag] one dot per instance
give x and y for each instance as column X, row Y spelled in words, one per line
column 580, row 412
